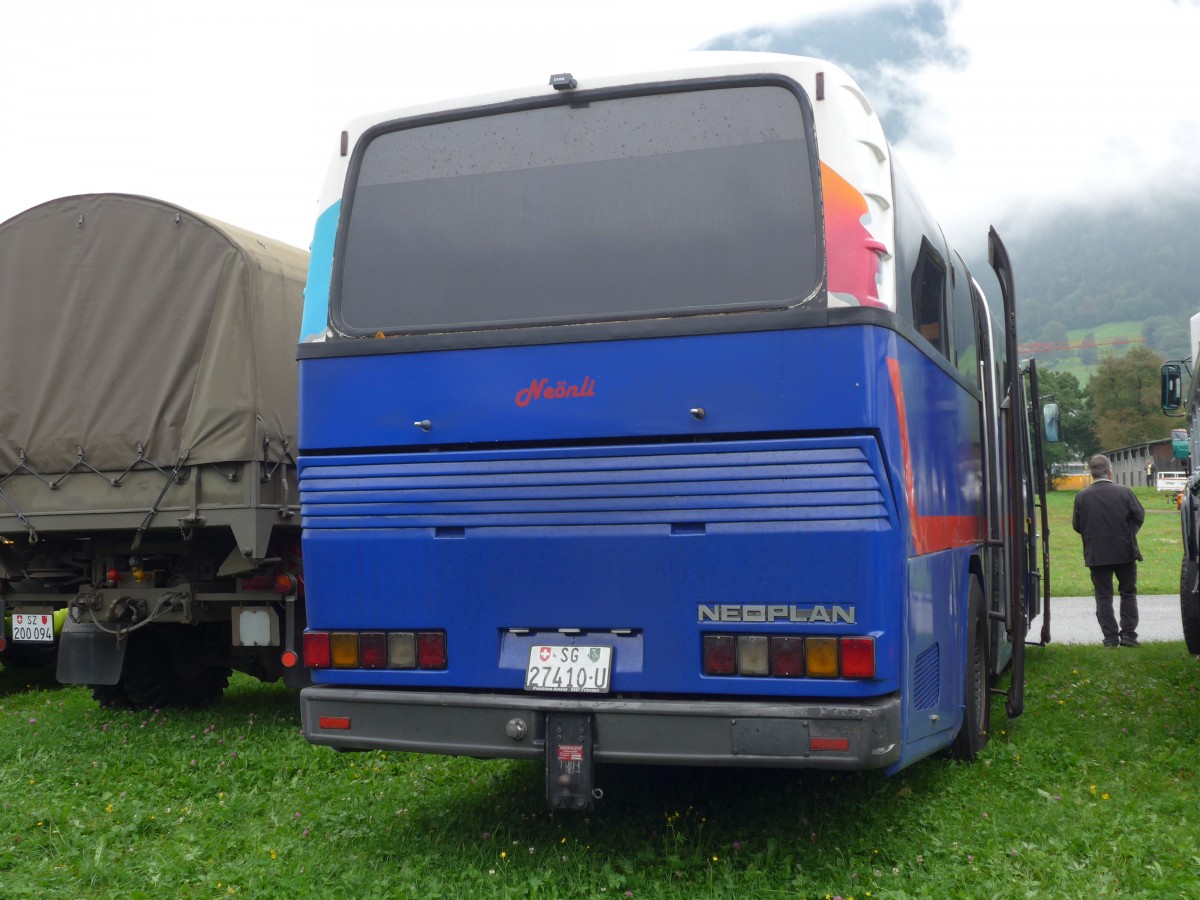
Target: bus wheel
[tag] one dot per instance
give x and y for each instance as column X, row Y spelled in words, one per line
column 1189, row 605
column 972, row 737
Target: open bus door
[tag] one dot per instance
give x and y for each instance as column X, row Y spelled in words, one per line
column 1023, row 490
column 1038, row 421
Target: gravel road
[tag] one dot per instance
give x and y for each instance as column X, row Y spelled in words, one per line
column 1073, row 619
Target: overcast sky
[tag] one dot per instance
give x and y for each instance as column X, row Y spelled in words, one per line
column 232, row 107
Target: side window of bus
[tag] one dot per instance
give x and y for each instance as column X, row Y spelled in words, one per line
column 929, row 297
column 966, row 329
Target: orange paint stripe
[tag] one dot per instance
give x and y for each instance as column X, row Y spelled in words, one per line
column 918, row 533
column 930, row 533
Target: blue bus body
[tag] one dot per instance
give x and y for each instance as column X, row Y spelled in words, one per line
column 833, row 475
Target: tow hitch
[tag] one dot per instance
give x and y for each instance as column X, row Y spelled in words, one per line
column 569, row 774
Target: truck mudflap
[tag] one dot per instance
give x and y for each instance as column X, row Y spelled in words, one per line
column 839, row 734
column 88, row 654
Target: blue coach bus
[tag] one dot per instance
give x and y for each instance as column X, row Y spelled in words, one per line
column 651, row 419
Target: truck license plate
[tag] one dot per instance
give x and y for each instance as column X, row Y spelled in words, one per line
column 35, row 628
column 580, row 670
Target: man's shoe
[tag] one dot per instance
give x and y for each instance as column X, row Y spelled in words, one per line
column 1130, row 642
column 1111, row 645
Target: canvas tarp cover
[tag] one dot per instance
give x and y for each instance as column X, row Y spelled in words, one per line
column 125, row 321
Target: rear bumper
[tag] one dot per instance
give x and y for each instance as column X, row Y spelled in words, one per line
column 674, row 732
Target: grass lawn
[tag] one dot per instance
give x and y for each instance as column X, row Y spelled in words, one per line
column 1159, row 540
column 1070, row 361
column 1091, row 793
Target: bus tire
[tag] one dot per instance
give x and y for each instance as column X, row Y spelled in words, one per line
column 1189, row 605
column 972, row 736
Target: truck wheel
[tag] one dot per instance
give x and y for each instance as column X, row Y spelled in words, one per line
column 1189, row 605
column 160, row 672
column 972, row 737
column 109, row 696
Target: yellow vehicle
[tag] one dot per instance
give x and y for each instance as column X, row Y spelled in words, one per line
column 1072, row 476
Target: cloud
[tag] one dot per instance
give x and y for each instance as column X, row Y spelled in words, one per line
column 1005, row 111
column 878, row 43
column 1058, row 104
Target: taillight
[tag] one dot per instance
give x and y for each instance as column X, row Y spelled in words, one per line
column 431, row 649
column 372, row 650
column 858, row 657
column 720, row 654
column 822, row 656
column 375, row 650
column 402, row 650
column 788, row 656
column 752, row 654
column 316, row 650
column 345, row 649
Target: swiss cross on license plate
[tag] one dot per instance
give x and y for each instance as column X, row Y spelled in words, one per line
column 579, row 670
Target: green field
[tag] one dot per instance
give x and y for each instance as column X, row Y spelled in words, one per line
column 1069, row 361
column 1160, row 542
column 1091, row 793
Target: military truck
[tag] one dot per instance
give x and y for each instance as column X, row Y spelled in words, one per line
column 1181, row 396
column 147, row 419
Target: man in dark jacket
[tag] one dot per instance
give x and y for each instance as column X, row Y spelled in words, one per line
column 1108, row 515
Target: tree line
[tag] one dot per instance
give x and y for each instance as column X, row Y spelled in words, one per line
column 1088, row 266
column 1080, row 268
column 1118, row 407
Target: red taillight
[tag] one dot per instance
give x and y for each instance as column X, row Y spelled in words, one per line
column 431, row 649
column 286, row 584
column 289, row 659
column 372, row 650
column 787, row 657
column 336, row 723
column 720, row 654
column 858, row 657
column 317, row 654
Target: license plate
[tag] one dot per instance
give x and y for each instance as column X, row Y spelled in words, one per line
column 578, row 670
column 32, row 628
